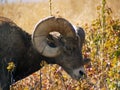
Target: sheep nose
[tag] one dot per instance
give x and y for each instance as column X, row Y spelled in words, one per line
column 81, row 73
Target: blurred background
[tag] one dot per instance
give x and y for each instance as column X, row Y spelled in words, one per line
column 26, row 13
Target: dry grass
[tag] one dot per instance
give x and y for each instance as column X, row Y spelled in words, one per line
column 26, row 15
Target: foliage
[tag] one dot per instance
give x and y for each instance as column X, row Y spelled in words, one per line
column 103, row 39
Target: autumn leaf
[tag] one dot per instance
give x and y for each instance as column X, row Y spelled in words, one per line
column 11, row 66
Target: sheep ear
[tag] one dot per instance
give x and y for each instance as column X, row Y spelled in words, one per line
column 81, row 34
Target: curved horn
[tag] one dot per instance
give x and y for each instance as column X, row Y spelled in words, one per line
column 42, row 30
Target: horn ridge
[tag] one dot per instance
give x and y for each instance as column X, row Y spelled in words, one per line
column 43, row 29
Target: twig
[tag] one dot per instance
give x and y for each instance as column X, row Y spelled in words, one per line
column 50, row 7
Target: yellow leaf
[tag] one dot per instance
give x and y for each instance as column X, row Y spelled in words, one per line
column 98, row 7
column 77, row 88
column 26, row 88
column 43, row 63
column 10, row 66
column 103, row 88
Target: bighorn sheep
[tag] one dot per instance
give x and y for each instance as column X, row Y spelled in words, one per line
column 54, row 40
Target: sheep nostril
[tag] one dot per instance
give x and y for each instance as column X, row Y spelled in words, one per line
column 81, row 73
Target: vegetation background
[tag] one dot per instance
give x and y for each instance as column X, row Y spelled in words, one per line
column 101, row 21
